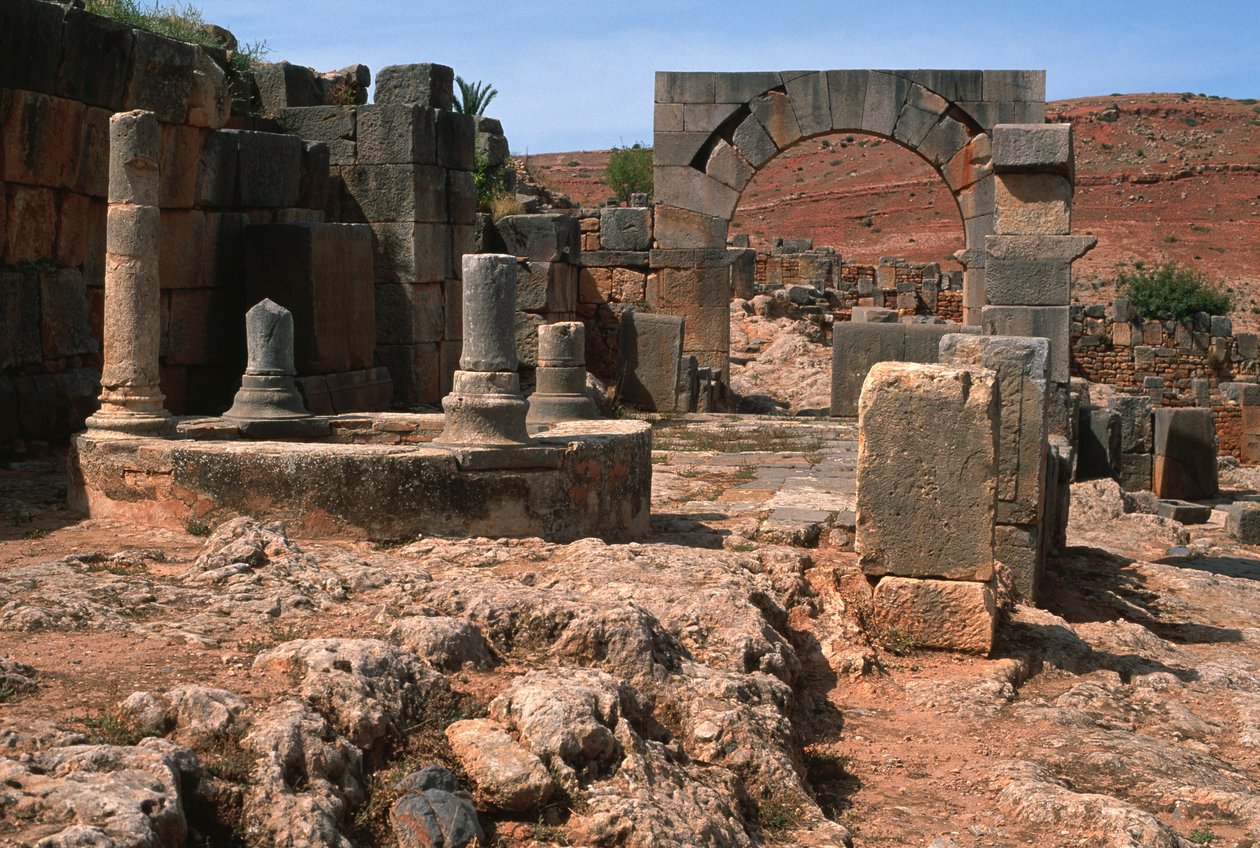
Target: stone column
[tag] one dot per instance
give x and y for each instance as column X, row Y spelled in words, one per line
column 485, row 406
column 131, row 400
column 560, row 393
column 268, row 392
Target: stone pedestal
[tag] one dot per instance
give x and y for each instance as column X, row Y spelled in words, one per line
column 131, row 399
column 268, row 391
column 485, row 406
column 560, row 393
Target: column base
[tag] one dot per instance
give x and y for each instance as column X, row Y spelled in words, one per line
column 554, row 408
column 485, row 409
column 120, row 424
column 267, row 397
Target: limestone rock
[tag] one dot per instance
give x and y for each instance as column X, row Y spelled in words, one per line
column 1243, row 522
column 306, row 779
column 507, row 775
column 443, row 641
column 368, row 689
column 100, row 795
column 192, row 713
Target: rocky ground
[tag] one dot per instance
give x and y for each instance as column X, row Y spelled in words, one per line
column 715, row 684
column 780, row 360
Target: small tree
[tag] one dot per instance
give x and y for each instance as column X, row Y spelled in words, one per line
column 1168, row 289
column 629, row 171
column 474, row 97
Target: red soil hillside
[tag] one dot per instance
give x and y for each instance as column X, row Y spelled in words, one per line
column 1159, row 176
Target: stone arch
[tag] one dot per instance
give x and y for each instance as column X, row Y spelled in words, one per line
column 714, row 131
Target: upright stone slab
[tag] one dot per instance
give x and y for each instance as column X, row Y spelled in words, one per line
column 560, row 381
column 927, row 471
column 131, row 398
column 650, row 361
column 1022, row 368
column 1099, row 452
column 1185, row 454
column 855, row 347
column 485, row 406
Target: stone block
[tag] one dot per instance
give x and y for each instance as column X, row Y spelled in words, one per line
column 754, row 142
column 546, row 287
column 685, row 86
column 691, row 189
column 282, row 85
column 409, row 313
column 1250, row 435
column 855, row 348
column 1033, row 148
column 927, row 471
column 456, row 140
column 1099, row 448
column 1135, row 472
column 216, row 171
column 676, row 228
column 73, row 222
column 1135, row 422
column 1047, row 322
column 394, row 193
column 1015, row 86
column 1032, row 203
column 1038, row 248
column 541, row 238
column 650, row 360
column 1243, row 394
column 322, row 273
column 30, row 44
column 811, row 100
column 1221, row 326
column 885, row 95
column 1020, row 550
column 625, row 228
column 63, row 303
column 679, row 288
column 1185, row 454
column 429, row 85
column 1248, row 345
column 847, row 90
column 944, row 140
column 741, row 87
column 1184, row 511
column 461, row 196
column 20, row 341
column 667, row 117
column 1021, row 366
column 269, row 169
column 874, row 315
column 335, row 126
column 95, row 60
column 705, row 117
column 948, row 615
column 921, row 112
column 408, row 252
column 179, row 158
column 161, row 76
column 1242, row 521
column 41, row 140
column 416, row 372
column 527, row 325
column 183, row 252
column 1015, row 282
column 316, row 184
column 205, row 326
column 31, row 224
column 92, row 177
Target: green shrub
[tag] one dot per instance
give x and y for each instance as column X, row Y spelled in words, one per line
column 491, row 184
column 1170, row 289
column 629, row 171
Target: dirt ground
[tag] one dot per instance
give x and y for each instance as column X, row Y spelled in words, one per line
column 1122, row 711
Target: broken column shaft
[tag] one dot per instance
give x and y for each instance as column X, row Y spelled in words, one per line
column 131, row 399
column 560, row 393
column 268, row 391
column 485, row 406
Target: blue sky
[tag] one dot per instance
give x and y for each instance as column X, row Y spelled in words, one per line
column 579, row 76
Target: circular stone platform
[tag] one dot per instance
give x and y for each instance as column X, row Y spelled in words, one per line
column 376, row 477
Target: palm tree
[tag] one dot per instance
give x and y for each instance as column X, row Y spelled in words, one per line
column 474, row 97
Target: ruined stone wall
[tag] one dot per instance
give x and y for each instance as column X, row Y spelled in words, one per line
column 402, row 168
column 1199, row 362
